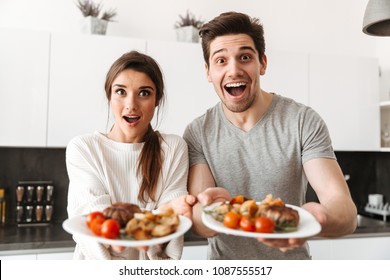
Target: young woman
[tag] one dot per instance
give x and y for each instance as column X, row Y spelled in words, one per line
column 132, row 162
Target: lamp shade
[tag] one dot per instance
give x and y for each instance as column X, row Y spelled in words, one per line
column 376, row 21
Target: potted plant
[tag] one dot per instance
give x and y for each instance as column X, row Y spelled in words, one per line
column 187, row 28
column 95, row 19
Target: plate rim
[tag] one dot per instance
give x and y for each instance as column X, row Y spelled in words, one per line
column 184, row 225
column 213, row 224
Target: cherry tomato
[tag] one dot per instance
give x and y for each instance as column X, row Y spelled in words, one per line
column 110, row 229
column 239, row 199
column 264, row 225
column 96, row 225
column 246, row 224
column 92, row 216
column 231, row 220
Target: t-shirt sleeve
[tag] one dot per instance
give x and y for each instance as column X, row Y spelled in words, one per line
column 316, row 141
column 193, row 136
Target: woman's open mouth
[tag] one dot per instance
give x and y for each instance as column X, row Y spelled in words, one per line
column 131, row 119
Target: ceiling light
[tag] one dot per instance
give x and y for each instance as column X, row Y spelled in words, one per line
column 376, row 21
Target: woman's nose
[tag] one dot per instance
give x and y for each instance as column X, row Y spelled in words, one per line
column 131, row 102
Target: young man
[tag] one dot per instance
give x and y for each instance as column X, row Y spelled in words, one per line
column 256, row 143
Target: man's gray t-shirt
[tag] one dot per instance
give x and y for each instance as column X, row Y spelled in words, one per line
column 265, row 160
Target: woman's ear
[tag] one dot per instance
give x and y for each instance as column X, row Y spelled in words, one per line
column 263, row 64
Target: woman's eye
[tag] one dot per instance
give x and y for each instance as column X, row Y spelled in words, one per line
column 120, row 91
column 144, row 93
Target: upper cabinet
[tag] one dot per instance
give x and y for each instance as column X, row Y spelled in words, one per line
column 344, row 91
column 24, row 75
column 78, row 68
column 52, row 88
column 188, row 92
column 287, row 74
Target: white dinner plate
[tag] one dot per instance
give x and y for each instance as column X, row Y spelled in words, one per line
column 308, row 225
column 77, row 226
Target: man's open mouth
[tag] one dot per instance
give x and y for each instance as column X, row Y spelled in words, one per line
column 131, row 119
column 235, row 89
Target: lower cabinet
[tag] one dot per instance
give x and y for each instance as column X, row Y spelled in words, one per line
column 369, row 248
column 63, row 255
column 195, row 252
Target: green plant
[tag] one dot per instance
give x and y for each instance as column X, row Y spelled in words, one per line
column 188, row 20
column 90, row 8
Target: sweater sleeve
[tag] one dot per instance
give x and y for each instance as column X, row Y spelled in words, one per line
column 86, row 194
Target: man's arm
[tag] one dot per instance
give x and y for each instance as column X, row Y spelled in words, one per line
column 336, row 212
column 201, row 184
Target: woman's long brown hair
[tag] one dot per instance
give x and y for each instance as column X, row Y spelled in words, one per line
column 151, row 157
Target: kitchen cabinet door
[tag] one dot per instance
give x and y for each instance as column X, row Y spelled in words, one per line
column 369, row 248
column 78, row 67
column 24, row 72
column 189, row 94
column 345, row 92
column 287, row 74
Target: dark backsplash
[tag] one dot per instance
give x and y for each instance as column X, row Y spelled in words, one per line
column 34, row 164
column 369, row 173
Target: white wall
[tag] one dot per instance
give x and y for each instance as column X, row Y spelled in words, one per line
column 324, row 26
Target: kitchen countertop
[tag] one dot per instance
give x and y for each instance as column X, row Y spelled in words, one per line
column 52, row 238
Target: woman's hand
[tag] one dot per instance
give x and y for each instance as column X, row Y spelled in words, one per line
column 182, row 205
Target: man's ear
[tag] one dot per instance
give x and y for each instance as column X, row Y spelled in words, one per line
column 206, row 66
column 263, row 64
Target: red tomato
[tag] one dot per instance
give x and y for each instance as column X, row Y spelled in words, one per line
column 92, row 216
column 96, row 225
column 110, row 229
column 231, row 220
column 246, row 224
column 264, row 225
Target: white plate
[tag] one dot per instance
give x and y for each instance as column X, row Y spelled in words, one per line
column 77, row 226
column 308, row 225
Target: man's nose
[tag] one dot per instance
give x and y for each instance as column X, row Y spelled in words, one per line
column 234, row 68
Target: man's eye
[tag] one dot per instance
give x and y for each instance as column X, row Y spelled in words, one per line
column 144, row 93
column 246, row 57
column 220, row 60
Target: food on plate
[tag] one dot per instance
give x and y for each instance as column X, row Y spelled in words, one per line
column 128, row 221
column 268, row 216
column 148, row 225
column 122, row 212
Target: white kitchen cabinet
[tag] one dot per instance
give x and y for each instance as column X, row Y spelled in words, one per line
column 287, row 74
column 345, row 92
column 55, row 256
column 19, row 257
column 24, row 76
column 197, row 252
column 78, row 67
column 369, row 248
column 189, row 94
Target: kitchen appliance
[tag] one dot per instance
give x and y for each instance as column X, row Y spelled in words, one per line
column 375, row 205
column 34, row 203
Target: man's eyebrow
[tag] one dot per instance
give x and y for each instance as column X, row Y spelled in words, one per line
column 241, row 49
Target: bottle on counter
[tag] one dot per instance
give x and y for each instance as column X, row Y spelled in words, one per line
column 2, row 206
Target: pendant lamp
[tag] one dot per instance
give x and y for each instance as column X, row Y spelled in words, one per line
column 376, row 21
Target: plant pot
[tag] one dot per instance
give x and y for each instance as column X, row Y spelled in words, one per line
column 93, row 25
column 187, row 34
